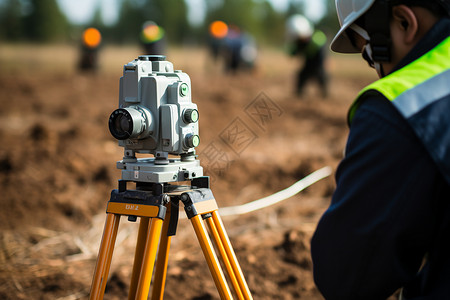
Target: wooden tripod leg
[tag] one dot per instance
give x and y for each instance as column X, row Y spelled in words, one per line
column 138, row 256
column 162, row 260
column 104, row 257
column 231, row 256
column 211, row 258
column 148, row 262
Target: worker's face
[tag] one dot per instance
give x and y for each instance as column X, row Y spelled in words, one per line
column 407, row 26
column 362, row 44
column 358, row 41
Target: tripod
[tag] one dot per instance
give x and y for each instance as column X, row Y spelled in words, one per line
column 156, row 204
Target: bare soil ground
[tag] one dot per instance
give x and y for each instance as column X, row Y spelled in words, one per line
column 57, row 168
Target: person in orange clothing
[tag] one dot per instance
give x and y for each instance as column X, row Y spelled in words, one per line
column 90, row 43
column 218, row 30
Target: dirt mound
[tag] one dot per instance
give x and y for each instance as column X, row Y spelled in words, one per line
column 57, row 167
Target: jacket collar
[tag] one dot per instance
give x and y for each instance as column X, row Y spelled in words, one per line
column 439, row 32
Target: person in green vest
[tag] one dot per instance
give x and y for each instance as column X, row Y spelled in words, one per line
column 310, row 43
column 387, row 229
column 153, row 39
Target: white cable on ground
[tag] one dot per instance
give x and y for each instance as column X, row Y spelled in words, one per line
column 277, row 197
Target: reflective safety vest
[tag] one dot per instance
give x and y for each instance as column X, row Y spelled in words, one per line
column 311, row 47
column 420, row 91
column 151, row 34
column 318, row 40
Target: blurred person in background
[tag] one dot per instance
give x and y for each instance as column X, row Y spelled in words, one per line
column 153, row 39
column 249, row 51
column 388, row 225
column 310, row 43
column 239, row 50
column 218, row 31
column 90, row 44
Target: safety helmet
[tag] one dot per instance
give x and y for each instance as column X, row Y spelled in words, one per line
column 218, row 29
column 348, row 12
column 297, row 26
column 92, row 38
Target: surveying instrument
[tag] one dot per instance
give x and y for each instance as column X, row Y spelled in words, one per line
column 156, row 116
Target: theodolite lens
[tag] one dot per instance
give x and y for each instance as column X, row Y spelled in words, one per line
column 121, row 124
column 130, row 122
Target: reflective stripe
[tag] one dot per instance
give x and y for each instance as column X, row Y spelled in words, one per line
column 414, row 100
column 403, row 84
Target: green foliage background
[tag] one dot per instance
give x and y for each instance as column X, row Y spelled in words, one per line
column 43, row 21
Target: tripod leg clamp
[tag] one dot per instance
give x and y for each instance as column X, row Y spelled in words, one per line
column 198, row 201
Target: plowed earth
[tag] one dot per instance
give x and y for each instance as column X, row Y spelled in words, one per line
column 57, row 168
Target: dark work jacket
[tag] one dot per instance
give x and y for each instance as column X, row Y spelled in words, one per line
column 388, row 225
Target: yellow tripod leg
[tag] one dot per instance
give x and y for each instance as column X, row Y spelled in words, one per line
column 231, row 256
column 110, row 253
column 211, row 258
column 104, row 257
column 138, row 255
column 162, row 260
column 224, row 255
column 148, row 262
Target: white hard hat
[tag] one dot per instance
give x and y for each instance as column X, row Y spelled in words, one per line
column 348, row 12
column 297, row 26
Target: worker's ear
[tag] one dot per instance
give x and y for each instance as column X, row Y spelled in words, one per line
column 405, row 21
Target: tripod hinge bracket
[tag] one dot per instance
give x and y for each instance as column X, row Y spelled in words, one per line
column 198, row 201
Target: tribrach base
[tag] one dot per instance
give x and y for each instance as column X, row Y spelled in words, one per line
column 147, row 170
column 157, row 208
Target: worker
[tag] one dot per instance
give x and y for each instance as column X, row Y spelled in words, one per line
column 90, row 44
column 387, row 228
column 239, row 50
column 218, row 31
column 153, row 39
column 310, row 43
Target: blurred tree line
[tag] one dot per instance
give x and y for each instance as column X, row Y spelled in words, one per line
column 33, row 20
column 43, row 21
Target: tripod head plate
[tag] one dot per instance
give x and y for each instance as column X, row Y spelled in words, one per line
column 146, row 170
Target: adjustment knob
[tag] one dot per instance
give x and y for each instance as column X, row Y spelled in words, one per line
column 190, row 115
column 192, row 141
column 152, row 58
